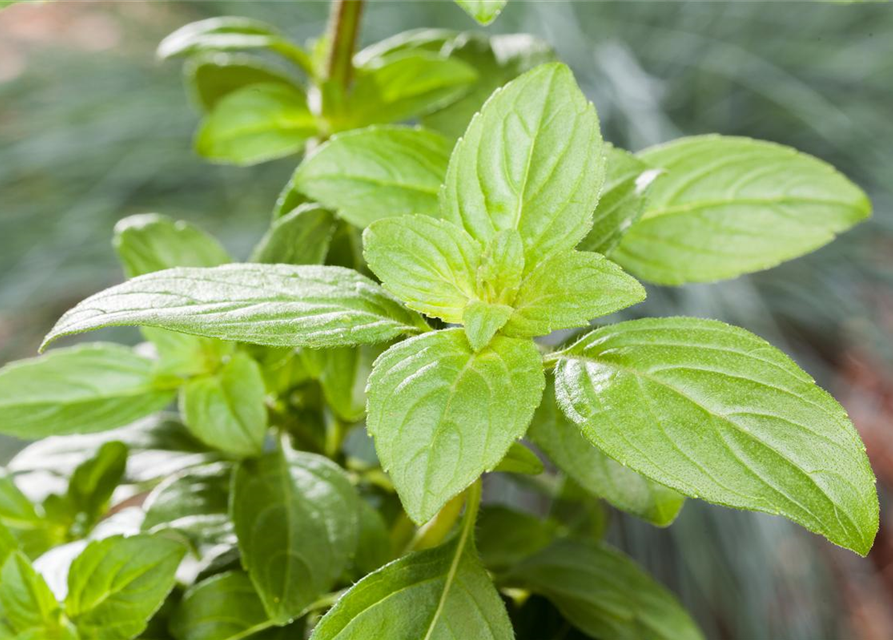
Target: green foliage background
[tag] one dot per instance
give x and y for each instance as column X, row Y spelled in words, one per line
column 92, row 129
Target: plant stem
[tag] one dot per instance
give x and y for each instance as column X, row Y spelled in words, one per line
column 344, row 28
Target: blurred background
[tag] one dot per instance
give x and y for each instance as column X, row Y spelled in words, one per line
column 92, row 129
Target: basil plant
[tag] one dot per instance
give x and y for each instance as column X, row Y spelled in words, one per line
column 297, row 448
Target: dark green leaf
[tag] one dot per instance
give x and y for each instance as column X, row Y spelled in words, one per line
column 717, row 413
column 214, row 76
column 117, row 583
column 226, row 409
column 505, row 536
column 299, row 237
column 92, row 387
column 342, row 374
column 586, row 465
column 223, row 607
column 274, row 305
column 296, row 519
column 376, row 172
column 442, row 414
column 520, row 459
column 729, row 206
column 257, row 123
column 374, row 541
column 603, row 593
column 94, row 481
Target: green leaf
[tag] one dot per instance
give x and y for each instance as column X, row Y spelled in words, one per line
column 223, row 607
column 400, row 86
column 226, row 409
column 532, row 160
column 93, row 387
column 117, row 583
column 273, row 305
column 26, row 602
column 569, row 289
column 257, row 123
column 520, row 459
column 622, row 200
column 717, row 413
column 412, row 40
column 497, row 60
column 441, row 593
column 194, row 502
column 296, row 519
column 151, row 242
column 482, row 321
column 299, row 237
column 93, row 482
column 428, row 263
column 604, row 594
column 213, row 76
column 502, row 268
column 16, row 511
column 442, row 414
column 729, row 206
column 505, row 537
column 8, row 543
column 376, row 172
column 373, row 542
column 342, row 374
column 586, row 465
column 484, row 11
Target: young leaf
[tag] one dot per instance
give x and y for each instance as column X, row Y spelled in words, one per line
column 226, row 409
column 502, row 268
column 441, row 593
column 213, row 76
column 117, row 583
column 532, row 160
column 569, row 289
column 484, row 11
column 257, row 123
column 497, row 60
column 400, row 86
column 223, row 607
column 717, row 413
column 442, row 414
column 482, row 320
column 520, row 459
column 299, row 237
column 273, row 305
column 729, row 206
column 26, row 602
column 93, row 482
column 377, row 172
column 604, row 594
column 622, row 200
column 93, row 387
column 428, row 263
column 296, row 519
column 151, row 242
column 597, row 473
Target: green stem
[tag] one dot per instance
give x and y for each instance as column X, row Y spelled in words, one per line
column 344, row 29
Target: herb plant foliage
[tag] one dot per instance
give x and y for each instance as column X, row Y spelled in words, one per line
column 400, row 292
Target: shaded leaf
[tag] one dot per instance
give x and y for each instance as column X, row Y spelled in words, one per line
column 299, row 237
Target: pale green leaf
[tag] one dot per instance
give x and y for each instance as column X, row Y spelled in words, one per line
column 151, row 242
column 226, row 409
column 299, row 237
column 595, row 472
column 116, row 584
column 400, row 86
column 502, row 268
column 442, row 414
column 437, row 594
column 569, row 289
column 26, row 601
column 93, row 387
column 411, row 40
column 8, row 543
column 257, row 123
column 223, row 607
column 212, row 76
column 497, row 60
column 428, row 263
column 729, row 206
column 273, row 305
column 532, row 160
column 16, row 511
column 520, row 459
column 482, row 320
column 376, row 172
column 484, row 11
column 622, row 201
column 604, row 594
column 296, row 518
column 717, row 413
